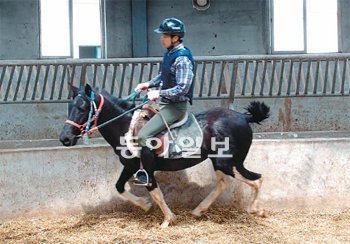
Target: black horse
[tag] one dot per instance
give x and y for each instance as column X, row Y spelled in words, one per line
column 219, row 123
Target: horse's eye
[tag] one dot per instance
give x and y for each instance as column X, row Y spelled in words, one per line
column 81, row 108
column 80, row 105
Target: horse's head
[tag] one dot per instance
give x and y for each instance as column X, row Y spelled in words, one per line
column 78, row 117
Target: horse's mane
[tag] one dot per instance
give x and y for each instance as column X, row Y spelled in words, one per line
column 119, row 104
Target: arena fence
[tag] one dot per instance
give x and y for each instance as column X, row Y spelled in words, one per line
column 216, row 77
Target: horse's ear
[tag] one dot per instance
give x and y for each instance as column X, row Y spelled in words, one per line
column 88, row 90
column 75, row 91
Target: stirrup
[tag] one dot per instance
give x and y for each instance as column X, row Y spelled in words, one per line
column 139, row 183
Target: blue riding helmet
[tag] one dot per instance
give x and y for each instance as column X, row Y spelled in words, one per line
column 171, row 26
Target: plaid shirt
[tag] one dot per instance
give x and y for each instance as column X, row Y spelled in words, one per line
column 183, row 69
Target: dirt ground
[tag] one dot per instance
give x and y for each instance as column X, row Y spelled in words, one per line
column 218, row 225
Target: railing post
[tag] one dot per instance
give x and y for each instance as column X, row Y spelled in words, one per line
column 82, row 75
column 233, row 82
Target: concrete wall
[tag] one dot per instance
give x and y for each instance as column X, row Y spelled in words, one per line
column 302, row 113
column 118, row 28
column 31, row 121
column 45, row 121
column 344, row 25
column 64, row 180
column 19, row 29
column 227, row 27
column 298, row 173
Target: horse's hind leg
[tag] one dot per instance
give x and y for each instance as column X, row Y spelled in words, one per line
column 254, row 180
column 223, row 180
column 141, row 202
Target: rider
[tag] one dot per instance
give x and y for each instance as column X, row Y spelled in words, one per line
column 176, row 89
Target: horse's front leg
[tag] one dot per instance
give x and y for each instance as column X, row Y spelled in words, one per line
column 141, row 202
column 157, row 196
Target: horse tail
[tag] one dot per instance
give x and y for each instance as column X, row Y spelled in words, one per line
column 247, row 174
column 257, row 112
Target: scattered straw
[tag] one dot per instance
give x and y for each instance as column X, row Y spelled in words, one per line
column 218, row 225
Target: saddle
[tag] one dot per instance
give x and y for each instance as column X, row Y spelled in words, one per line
column 186, row 139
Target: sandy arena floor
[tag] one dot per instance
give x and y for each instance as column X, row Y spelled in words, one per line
column 218, row 225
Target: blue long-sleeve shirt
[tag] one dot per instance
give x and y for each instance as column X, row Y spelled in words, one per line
column 183, row 69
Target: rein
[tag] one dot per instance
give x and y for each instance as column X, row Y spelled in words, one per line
column 94, row 114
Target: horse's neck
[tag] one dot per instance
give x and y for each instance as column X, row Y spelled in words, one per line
column 113, row 131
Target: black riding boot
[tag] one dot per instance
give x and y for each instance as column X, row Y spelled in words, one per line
column 147, row 159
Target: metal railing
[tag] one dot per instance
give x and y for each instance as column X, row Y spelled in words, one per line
column 216, row 77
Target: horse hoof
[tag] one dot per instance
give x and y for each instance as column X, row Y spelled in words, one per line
column 196, row 213
column 259, row 213
column 166, row 223
column 145, row 204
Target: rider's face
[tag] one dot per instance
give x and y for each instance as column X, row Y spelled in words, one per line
column 167, row 40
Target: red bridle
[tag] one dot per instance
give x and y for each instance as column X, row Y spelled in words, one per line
column 93, row 120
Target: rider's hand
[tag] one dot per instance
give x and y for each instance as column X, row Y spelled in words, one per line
column 153, row 95
column 142, row 86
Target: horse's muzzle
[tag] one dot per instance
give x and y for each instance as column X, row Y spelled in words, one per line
column 68, row 140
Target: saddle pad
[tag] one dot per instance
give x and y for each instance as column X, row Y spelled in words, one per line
column 188, row 140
